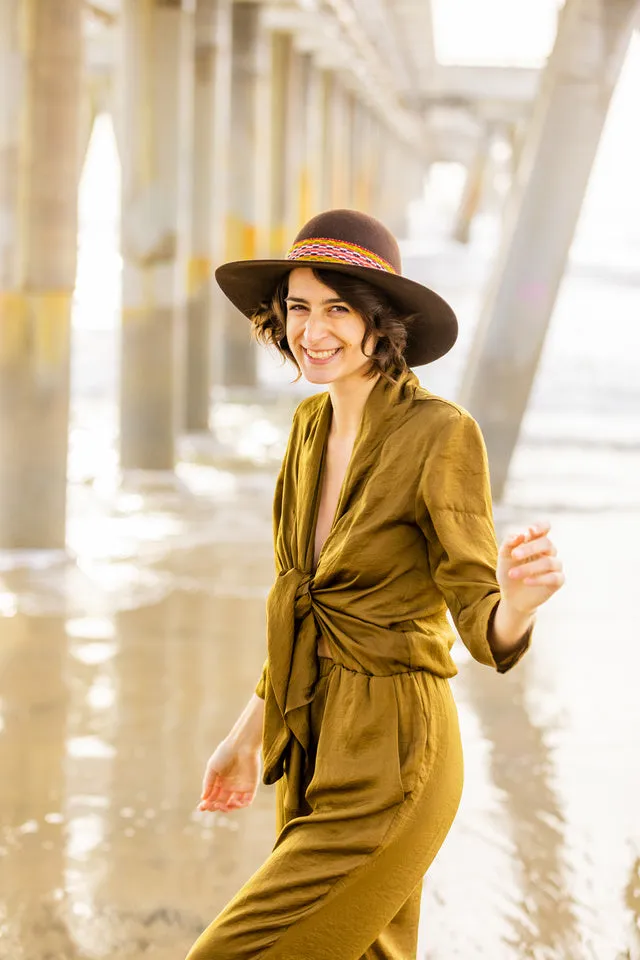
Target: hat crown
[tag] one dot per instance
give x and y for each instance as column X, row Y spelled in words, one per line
column 357, row 229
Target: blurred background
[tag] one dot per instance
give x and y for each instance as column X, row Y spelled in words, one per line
column 141, row 143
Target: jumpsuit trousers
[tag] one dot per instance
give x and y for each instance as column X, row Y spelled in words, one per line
column 344, row 879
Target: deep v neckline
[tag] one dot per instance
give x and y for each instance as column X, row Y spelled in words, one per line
column 318, row 496
column 378, row 418
column 322, row 468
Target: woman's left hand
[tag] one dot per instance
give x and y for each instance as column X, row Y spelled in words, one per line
column 529, row 571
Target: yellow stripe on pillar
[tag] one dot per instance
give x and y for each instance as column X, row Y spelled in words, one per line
column 14, row 314
column 198, row 273
column 278, row 241
column 242, row 239
column 35, row 322
column 305, row 197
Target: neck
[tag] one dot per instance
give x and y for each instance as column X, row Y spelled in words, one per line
column 348, row 399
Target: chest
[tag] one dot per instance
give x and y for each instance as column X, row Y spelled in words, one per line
column 337, row 459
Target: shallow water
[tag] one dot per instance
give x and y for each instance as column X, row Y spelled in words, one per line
column 118, row 674
column 120, row 671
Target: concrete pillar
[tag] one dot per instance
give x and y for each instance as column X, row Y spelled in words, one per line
column 156, row 105
column 472, row 192
column 395, row 184
column 592, row 39
column 296, row 131
column 212, row 93
column 286, row 139
column 351, row 122
column 364, row 159
column 310, row 174
column 249, row 175
column 40, row 74
column 378, row 141
column 339, row 145
column 327, row 83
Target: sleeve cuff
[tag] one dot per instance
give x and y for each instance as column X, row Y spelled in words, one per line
column 261, row 689
column 507, row 661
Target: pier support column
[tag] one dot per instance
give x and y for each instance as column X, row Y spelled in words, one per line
column 156, row 102
column 212, row 93
column 326, row 113
column 249, row 175
column 395, row 184
column 40, row 80
column 310, row 173
column 592, row 40
column 286, row 139
column 295, row 141
column 472, row 192
column 364, row 159
column 339, row 145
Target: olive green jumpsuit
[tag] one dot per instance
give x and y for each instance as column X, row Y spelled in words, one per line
column 365, row 746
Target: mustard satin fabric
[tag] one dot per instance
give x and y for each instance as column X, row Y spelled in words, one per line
column 413, row 534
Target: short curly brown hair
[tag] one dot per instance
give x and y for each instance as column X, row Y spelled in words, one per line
column 382, row 319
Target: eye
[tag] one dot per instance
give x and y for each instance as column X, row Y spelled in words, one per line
column 296, row 307
column 340, row 308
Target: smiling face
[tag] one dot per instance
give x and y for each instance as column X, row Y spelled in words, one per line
column 323, row 332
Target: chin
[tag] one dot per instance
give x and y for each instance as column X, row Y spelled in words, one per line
column 318, row 376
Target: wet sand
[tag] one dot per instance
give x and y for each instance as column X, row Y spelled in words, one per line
column 120, row 671
column 109, row 709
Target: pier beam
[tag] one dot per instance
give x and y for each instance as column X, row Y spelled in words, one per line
column 249, row 176
column 155, row 114
column 212, row 93
column 592, row 39
column 40, row 137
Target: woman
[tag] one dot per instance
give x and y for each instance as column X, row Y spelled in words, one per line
column 382, row 521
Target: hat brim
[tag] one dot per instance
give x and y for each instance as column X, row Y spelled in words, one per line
column 249, row 283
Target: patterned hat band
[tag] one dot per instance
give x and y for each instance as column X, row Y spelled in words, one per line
column 337, row 251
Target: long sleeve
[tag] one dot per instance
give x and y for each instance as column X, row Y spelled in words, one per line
column 455, row 514
column 278, row 496
column 261, row 689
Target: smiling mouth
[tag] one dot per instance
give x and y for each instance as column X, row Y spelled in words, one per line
column 321, row 354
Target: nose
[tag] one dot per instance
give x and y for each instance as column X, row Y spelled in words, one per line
column 315, row 327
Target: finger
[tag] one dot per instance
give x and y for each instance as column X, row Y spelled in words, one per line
column 540, row 529
column 554, row 579
column 213, row 796
column 535, row 567
column 210, row 777
column 533, row 548
column 510, row 542
column 213, row 788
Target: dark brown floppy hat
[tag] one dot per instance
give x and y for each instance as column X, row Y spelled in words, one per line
column 351, row 242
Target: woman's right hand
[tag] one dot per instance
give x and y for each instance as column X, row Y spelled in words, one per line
column 231, row 777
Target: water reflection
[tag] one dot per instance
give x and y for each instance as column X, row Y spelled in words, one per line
column 109, row 715
column 35, row 693
column 521, row 766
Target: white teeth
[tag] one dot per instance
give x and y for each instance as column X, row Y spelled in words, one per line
column 322, row 354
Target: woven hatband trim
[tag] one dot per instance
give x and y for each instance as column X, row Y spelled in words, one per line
column 337, row 251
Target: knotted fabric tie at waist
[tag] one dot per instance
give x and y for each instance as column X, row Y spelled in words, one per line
column 293, row 671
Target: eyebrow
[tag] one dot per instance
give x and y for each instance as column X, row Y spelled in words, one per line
column 323, row 302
